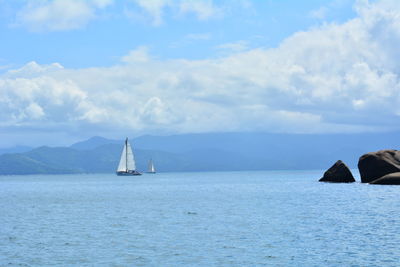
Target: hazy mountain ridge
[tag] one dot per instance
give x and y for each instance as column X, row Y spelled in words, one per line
column 101, row 159
column 202, row 152
column 93, row 143
column 21, row 164
column 15, row 149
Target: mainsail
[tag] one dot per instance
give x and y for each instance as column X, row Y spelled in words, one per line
column 151, row 166
column 127, row 161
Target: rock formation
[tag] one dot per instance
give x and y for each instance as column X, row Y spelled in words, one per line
column 375, row 165
column 390, row 179
column 338, row 173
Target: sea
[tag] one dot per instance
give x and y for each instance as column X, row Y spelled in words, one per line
column 258, row 218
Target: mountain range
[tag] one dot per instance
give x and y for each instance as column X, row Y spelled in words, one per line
column 200, row 152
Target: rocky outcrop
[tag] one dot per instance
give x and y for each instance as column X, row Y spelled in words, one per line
column 389, row 179
column 375, row 165
column 338, row 173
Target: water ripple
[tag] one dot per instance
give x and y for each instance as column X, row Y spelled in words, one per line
column 196, row 219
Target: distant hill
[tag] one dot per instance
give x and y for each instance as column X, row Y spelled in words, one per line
column 250, row 151
column 22, row 164
column 94, row 142
column 102, row 159
column 202, row 152
column 15, row 149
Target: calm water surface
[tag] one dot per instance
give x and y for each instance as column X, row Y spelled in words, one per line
column 197, row 219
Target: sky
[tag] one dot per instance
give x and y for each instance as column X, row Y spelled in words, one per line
column 72, row 69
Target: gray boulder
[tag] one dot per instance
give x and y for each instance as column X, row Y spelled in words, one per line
column 375, row 165
column 390, row 179
column 338, row 173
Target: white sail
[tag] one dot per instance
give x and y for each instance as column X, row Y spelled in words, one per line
column 151, row 166
column 122, row 162
column 130, row 159
column 127, row 161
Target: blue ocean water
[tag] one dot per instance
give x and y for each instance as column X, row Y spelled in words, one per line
column 282, row 218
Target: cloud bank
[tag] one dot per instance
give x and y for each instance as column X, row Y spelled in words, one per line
column 332, row 78
column 156, row 9
column 58, row 15
column 64, row 15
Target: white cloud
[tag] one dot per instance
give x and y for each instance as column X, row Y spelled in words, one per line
column 319, row 13
column 330, row 8
column 33, row 69
column 202, row 9
column 34, row 111
column 234, row 47
column 138, row 55
column 157, row 9
column 333, row 78
column 41, row 97
column 58, row 15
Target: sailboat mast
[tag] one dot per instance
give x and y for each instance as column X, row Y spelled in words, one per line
column 126, row 154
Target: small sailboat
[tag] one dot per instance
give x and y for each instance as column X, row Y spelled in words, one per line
column 151, row 168
column 127, row 166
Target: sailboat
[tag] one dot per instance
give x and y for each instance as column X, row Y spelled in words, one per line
column 151, row 168
column 127, row 166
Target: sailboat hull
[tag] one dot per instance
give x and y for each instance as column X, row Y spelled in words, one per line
column 128, row 173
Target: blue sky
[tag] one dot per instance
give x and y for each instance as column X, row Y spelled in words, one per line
column 120, row 26
column 73, row 69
